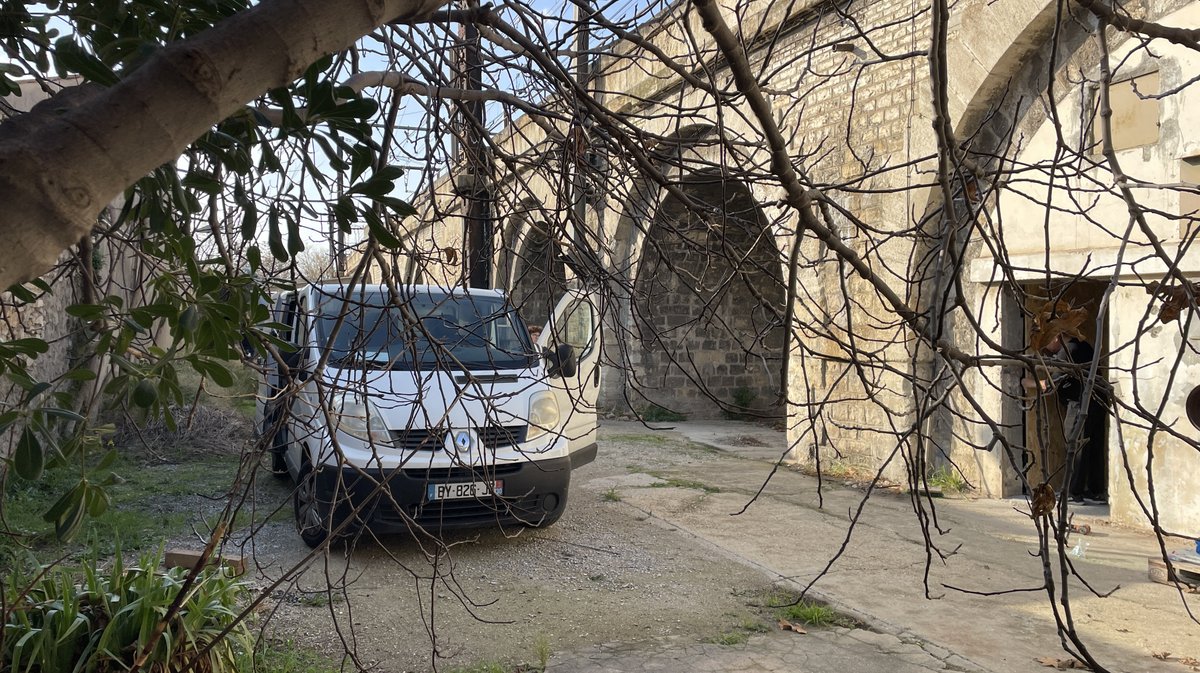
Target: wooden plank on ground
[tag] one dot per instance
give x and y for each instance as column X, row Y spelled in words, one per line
column 188, row 558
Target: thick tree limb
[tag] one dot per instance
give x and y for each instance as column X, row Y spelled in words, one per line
column 1103, row 9
column 60, row 164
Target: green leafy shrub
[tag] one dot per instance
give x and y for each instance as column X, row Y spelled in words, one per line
column 657, row 414
column 743, row 402
column 97, row 620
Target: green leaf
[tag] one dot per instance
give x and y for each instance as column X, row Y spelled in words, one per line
column 73, row 58
column 380, row 231
column 254, row 257
column 388, row 172
column 295, row 240
column 28, row 346
column 86, row 311
column 203, row 182
column 215, row 371
column 275, row 237
column 64, row 502
column 62, row 413
column 400, row 207
column 29, row 460
column 80, row 375
column 375, row 187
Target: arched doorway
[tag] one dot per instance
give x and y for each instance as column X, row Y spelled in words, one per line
column 708, row 301
column 538, row 277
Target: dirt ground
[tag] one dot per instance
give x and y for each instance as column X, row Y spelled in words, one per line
column 605, row 573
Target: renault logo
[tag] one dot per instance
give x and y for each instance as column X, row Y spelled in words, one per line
column 462, row 441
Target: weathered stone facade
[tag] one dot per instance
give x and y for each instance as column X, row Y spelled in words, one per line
column 861, row 129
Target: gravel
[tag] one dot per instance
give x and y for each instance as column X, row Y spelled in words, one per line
column 605, row 573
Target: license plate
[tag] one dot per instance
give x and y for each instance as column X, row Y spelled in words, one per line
column 472, row 489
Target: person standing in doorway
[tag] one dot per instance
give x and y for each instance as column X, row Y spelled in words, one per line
column 1087, row 456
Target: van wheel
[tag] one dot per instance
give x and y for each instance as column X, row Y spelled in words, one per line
column 277, row 444
column 313, row 520
column 550, row 520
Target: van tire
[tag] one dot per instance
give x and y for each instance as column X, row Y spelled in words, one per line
column 546, row 522
column 313, row 519
column 275, row 436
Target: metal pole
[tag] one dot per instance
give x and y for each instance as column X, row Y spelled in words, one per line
column 476, row 188
column 583, row 155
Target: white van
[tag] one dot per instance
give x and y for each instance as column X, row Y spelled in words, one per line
column 430, row 408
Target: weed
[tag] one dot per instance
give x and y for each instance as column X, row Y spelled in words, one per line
column 612, row 495
column 675, row 482
column 743, row 402
column 729, row 638
column 541, row 647
column 789, row 606
column 319, row 599
column 657, row 414
column 752, row 625
column 948, row 479
column 284, row 657
column 740, row 633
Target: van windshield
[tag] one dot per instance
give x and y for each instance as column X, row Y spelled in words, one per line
column 423, row 331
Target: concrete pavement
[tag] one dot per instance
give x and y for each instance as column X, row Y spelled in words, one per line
column 881, row 578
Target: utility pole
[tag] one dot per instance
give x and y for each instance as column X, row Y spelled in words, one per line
column 585, row 259
column 473, row 184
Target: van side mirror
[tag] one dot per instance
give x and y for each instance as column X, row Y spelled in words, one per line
column 561, row 362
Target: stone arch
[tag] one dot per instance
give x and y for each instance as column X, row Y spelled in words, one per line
column 1003, row 54
column 706, row 302
column 530, row 266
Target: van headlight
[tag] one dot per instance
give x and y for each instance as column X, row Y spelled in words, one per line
column 357, row 417
column 543, row 414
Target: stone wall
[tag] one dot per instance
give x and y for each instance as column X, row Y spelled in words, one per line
column 861, row 131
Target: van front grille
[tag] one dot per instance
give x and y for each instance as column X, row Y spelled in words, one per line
column 419, row 439
column 500, row 436
column 491, row 437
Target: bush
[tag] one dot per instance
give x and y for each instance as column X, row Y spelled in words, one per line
column 97, row 620
column 657, row 414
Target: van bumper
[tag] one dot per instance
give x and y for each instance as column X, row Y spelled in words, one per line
column 397, row 500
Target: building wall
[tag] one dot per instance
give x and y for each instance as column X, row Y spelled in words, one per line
column 862, row 131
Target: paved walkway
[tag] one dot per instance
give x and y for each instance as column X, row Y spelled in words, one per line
column 921, row 622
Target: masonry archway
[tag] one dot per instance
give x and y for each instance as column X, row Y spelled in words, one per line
column 530, row 266
column 707, row 301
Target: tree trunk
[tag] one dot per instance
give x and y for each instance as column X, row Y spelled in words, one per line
column 64, row 161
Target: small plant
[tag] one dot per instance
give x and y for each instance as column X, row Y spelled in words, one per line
column 56, row 621
column 729, row 638
column 752, row 625
column 612, row 495
column 811, row 614
column 674, row 482
column 948, row 479
column 318, row 599
column 740, row 634
column 657, row 414
column 284, row 657
column 743, row 402
column 541, row 647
